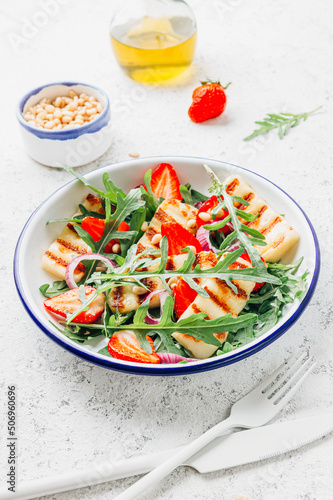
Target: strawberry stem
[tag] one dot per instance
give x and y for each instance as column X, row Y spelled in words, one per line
column 209, row 81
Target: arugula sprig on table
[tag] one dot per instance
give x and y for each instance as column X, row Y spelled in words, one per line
column 283, row 122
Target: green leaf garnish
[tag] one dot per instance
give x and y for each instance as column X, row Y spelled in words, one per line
column 283, row 122
column 196, row 326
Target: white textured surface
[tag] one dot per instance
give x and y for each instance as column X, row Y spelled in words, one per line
column 278, row 56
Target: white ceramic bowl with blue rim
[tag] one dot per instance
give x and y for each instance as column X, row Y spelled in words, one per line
column 73, row 147
column 36, row 238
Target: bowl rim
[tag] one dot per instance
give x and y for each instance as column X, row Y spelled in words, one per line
column 87, row 128
column 169, row 369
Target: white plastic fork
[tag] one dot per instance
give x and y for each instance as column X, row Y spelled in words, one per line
column 253, row 410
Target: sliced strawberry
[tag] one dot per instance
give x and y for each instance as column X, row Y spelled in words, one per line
column 69, row 301
column 179, row 238
column 183, row 296
column 95, row 227
column 246, row 256
column 165, row 182
column 207, row 207
column 124, row 345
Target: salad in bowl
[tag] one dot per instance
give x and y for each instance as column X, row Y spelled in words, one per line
column 163, row 275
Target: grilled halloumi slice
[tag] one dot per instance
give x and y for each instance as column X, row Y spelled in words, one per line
column 222, row 300
column 280, row 236
column 123, row 298
column 69, row 245
column 168, row 211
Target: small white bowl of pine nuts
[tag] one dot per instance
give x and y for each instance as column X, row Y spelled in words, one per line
column 65, row 123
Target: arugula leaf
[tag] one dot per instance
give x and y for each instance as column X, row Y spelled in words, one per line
column 125, row 206
column 197, row 196
column 56, row 288
column 78, row 332
column 111, row 190
column 105, row 352
column 133, row 265
column 186, row 195
column 82, row 179
column 137, row 219
column 247, row 236
column 152, row 202
column 269, row 303
column 283, row 122
column 196, row 325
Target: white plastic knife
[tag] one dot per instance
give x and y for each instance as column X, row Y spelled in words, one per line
column 227, row 451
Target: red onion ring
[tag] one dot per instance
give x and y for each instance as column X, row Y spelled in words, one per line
column 199, row 204
column 169, row 357
column 72, row 265
column 203, row 237
column 150, row 320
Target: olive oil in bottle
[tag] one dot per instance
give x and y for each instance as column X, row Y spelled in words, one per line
column 155, row 47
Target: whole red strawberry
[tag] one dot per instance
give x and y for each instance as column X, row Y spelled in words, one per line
column 209, row 101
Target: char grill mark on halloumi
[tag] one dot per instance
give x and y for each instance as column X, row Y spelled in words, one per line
column 168, row 211
column 69, row 245
column 125, row 300
column 222, row 300
column 280, row 236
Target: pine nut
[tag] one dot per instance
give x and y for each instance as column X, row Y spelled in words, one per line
column 65, row 112
column 49, row 116
column 72, row 106
column 144, row 226
column 91, row 111
column 49, row 108
column 191, row 223
column 116, row 248
column 57, row 113
column 138, row 290
column 49, row 124
column 66, row 119
column 99, row 107
column 72, row 94
column 134, row 155
column 205, row 216
column 156, row 239
column 172, row 281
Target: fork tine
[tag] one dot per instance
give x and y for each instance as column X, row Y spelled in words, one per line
column 267, row 382
column 289, row 373
column 290, row 388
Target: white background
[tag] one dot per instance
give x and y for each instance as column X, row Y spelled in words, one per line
column 278, row 56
